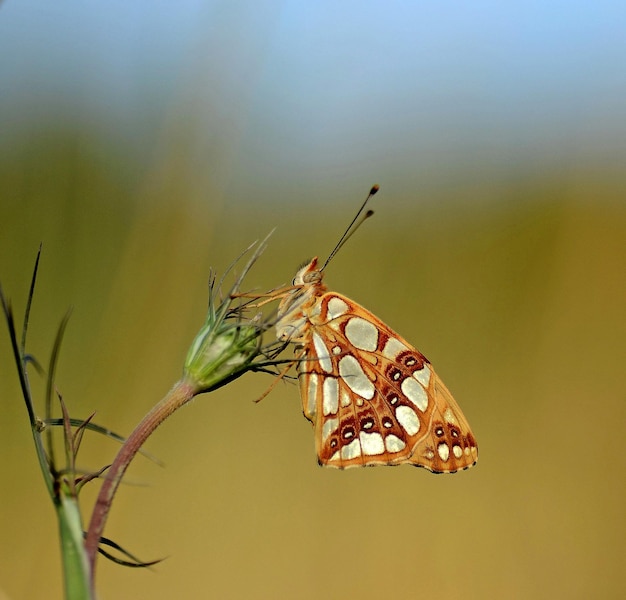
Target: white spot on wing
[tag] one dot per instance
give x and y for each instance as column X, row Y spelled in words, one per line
column 372, row 443
column 393, row 347
column 322, row 353
column 408, row 419
column 330, row 396
column 444, row 451
column 449, row 417
column 329, row 426
column 344, row 397
column 352, row 450
column 394, row 443
column 362, row 334
column 355, row 378
column 457, row 451
column 336, row 308
column 415, row 393
column 423, row 375
column 311, row 400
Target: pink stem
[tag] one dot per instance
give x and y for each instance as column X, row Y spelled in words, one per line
column 180, row 394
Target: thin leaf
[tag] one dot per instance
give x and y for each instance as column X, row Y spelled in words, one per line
column 103, row 431
column 135, row 561
column 50, row 383
column 82, row 481
column 29, row 301
column 35, row 422
column 78, row 434
column 17, row 356
column 30, row 359
column 68, row 440
column 260, row 248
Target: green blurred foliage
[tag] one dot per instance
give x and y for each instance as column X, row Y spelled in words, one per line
column 514, row 291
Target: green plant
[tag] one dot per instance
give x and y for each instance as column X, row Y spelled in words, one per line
column 227, row 345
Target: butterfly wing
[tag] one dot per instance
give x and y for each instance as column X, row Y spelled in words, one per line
column 372, row 398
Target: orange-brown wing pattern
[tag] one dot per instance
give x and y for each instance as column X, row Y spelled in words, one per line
column 373, row 398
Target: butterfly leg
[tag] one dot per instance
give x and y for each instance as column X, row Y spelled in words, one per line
column 280, row 376
column 270, row 296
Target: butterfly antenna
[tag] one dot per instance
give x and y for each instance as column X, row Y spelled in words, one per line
column 354, row 225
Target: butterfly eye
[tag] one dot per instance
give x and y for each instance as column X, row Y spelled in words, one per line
column 312, row 277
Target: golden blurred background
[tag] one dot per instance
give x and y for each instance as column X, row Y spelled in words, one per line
column 145, row 143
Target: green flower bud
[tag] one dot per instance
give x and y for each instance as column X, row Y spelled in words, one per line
column 221, row 352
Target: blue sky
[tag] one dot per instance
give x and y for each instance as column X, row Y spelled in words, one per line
column 328, row 83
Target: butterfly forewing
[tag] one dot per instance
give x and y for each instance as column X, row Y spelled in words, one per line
column 373, row 398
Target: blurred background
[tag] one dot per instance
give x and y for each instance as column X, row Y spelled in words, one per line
column 144, row 142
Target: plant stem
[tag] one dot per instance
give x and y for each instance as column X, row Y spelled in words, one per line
column 179, row 395
column 76, row 571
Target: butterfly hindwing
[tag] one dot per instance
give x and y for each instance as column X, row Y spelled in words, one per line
column 373, row 398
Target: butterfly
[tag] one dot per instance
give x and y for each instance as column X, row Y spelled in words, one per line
column 372, row 398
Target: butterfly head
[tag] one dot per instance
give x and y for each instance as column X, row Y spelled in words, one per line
column 308, row 274
column 307, row 288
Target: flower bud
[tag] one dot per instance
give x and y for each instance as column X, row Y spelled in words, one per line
column 221, row 352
